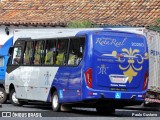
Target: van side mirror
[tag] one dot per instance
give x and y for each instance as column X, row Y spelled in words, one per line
column 10, row 52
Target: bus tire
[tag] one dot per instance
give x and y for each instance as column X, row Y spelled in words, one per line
column 3, row 96
column 56, row 106
column 105, row 110
column 13, row 99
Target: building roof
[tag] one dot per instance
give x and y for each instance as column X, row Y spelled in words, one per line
column 60, row 12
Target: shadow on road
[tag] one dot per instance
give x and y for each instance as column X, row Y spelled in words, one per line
column 77, row 112
column 84, row 112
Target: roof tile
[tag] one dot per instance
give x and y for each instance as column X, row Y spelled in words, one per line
column 54, row 12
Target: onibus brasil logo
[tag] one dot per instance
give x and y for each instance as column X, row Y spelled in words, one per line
column 130, row 69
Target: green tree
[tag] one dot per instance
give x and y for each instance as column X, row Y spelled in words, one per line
column 80, row 24
column 156, row 28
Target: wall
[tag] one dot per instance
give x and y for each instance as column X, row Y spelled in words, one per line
column 4, row 37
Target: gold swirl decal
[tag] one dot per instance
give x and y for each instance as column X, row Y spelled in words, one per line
column 133, row 56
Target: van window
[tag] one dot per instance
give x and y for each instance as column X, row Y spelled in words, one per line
column 17, row 56
column 28, row 54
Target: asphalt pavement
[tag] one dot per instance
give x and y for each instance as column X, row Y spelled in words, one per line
column 46, row 111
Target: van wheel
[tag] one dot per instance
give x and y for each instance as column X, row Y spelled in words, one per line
column 3, row 96
column 105, row 110
column 13, row 98
column 56, row 106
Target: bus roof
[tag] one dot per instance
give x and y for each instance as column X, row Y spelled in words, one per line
column 48, row 33
column 60, row 32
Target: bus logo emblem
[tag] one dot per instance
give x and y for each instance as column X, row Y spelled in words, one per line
column 102, row 69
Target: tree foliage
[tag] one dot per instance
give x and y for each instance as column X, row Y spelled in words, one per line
column 156, row 28
column 80, row 24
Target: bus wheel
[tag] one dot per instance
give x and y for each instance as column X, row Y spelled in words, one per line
column 105, row 110
column 13, row 98
column 3, row 96
column 56, row 106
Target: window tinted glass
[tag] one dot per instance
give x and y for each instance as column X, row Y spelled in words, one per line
column 17, row 56
column 39, row 52
column 50, row 57
column 28, row 54
column 61, row 52
column 76, row 51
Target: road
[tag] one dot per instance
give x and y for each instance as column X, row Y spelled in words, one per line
column 46, row 111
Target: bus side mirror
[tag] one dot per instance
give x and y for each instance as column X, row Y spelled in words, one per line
column 10, row 51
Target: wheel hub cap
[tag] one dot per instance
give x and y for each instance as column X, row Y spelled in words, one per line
column 1, row 95
column 55, row 101
column 15, row 100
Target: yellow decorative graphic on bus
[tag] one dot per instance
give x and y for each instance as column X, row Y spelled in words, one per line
column 130, row 69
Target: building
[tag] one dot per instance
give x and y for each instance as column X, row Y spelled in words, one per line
column 51, row 13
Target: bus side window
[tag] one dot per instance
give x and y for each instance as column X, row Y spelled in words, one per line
column 61, row 51
column 76, row 49
column 28, row 54
column 39, row 52
column 17, row 56
column 50, row 57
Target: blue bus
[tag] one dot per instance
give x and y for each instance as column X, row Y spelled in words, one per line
column 105, row 69
column 3, row 64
